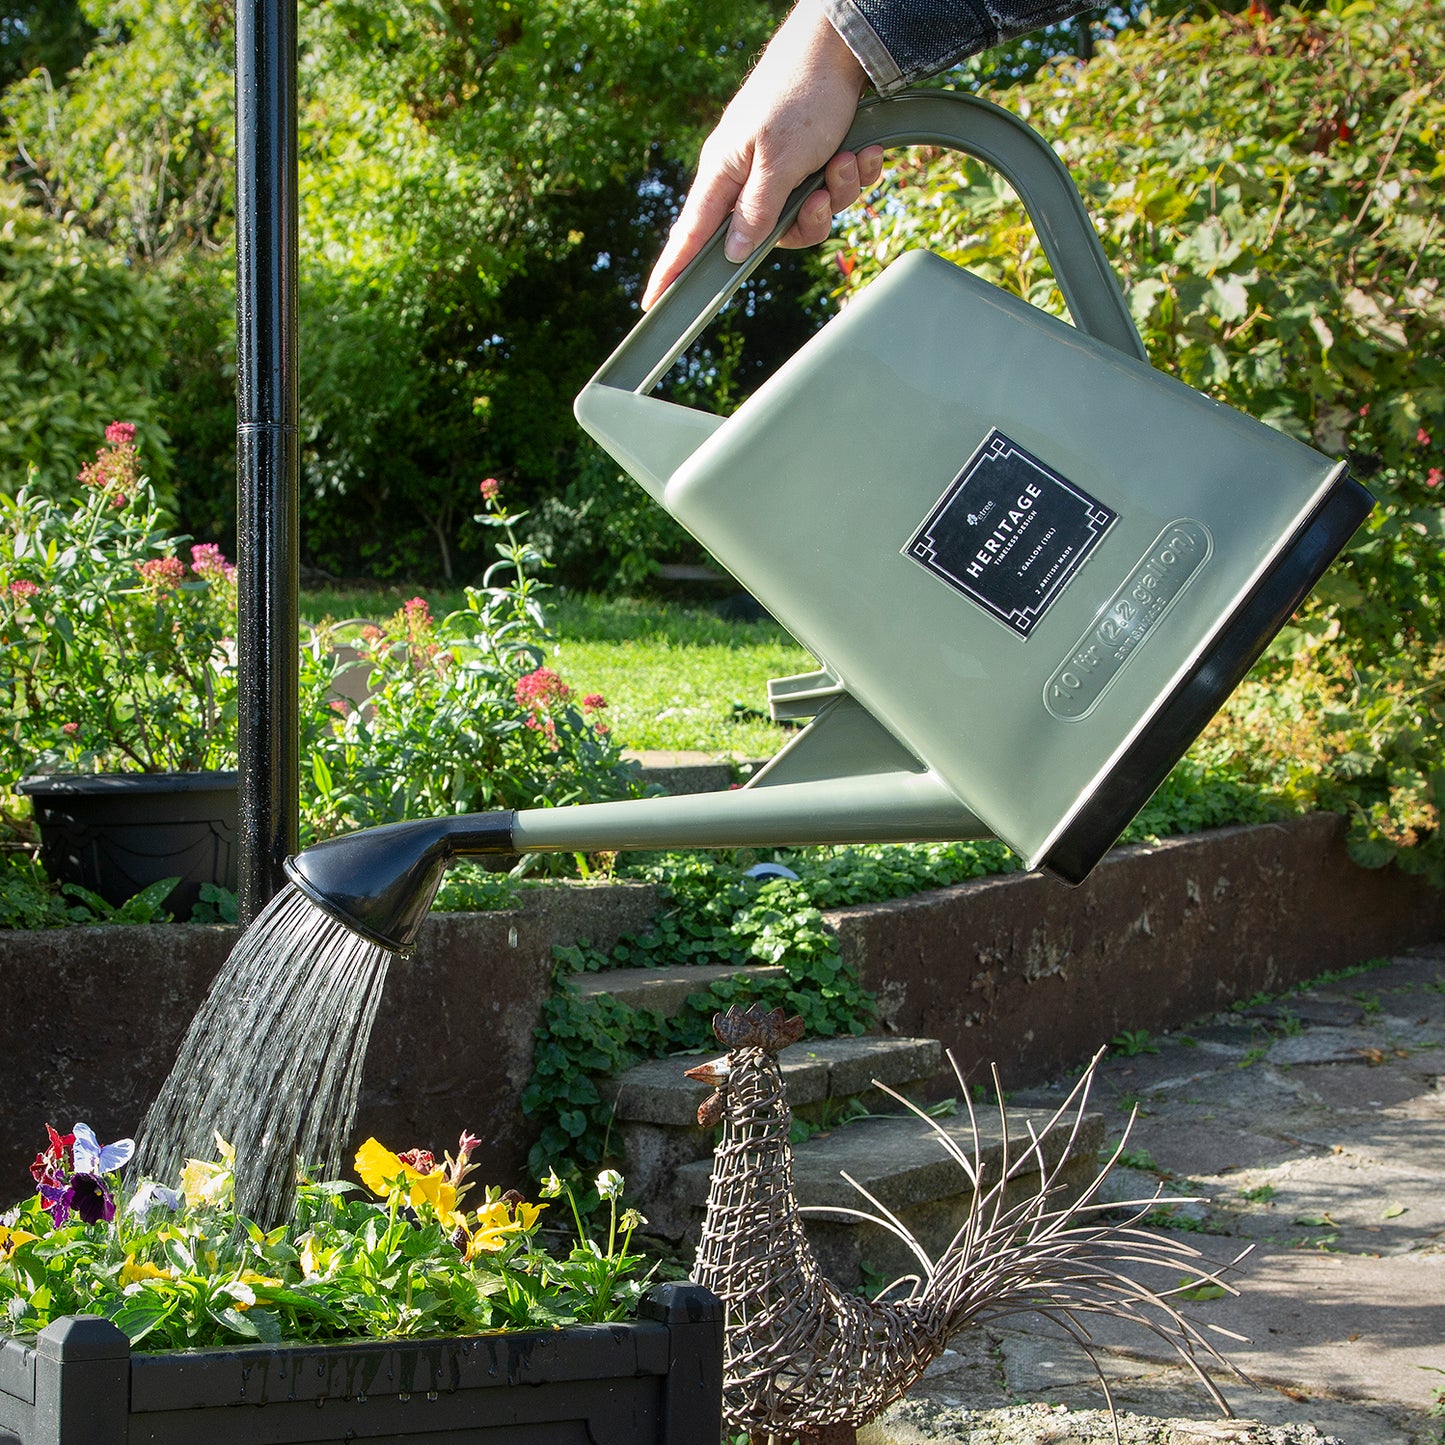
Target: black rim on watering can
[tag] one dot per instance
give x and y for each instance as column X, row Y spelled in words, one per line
column 267, row 456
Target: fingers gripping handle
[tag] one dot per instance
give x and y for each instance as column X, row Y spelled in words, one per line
column 948, row 118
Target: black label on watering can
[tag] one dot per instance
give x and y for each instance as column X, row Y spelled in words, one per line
column 1009, row 533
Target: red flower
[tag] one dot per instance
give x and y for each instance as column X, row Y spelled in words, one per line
column 593, row 702
column 490, row 487
column 422, row 1160
column 120, row 433
column 56, row 1159
column 1423, row 437
column 1434, row 477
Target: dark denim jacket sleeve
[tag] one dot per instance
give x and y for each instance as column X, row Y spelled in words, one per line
column 901, row 41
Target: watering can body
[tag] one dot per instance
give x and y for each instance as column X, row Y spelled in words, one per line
column 1030, row 565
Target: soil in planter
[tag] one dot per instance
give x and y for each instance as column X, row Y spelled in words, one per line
column 272, row 1061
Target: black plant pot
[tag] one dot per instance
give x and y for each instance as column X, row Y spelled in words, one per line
column 115, row 833
column 655, row 1381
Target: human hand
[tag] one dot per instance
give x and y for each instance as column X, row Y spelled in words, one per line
column 785, row 123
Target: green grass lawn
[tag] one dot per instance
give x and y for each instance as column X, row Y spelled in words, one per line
column 675, row 677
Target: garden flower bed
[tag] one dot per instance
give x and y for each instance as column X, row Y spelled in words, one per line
column 151, row 1312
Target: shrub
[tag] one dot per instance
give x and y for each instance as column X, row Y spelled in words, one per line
column 82, row 333
column 460, row 714
column 115, row 646
column 1367, row 742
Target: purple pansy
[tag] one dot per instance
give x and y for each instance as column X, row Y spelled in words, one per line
column 85, row 1191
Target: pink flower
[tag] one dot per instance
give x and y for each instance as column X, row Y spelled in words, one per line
column 1423, row 437
column 540, row 689
column 161, row 574
column 207, row 560
column 1434, row 477
column 593, row 702
column 70, row 729
column 115, row 469
column 338, row 706
column 417, row 611
column 23, row 587
column 490, row 487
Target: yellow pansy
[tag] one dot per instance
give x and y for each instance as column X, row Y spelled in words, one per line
column 316, row 1259
column 12, row 1239
column 210, row 1182
column 133, row 1273
column 498, row 1222
column 381, row 1170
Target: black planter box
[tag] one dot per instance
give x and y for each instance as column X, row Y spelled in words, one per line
column 115, row 833
column 656, row 1381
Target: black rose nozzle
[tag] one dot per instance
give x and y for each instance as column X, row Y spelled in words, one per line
column 380, row 882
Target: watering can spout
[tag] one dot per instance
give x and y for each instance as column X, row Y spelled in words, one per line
column 380, row 882
column 843, row 780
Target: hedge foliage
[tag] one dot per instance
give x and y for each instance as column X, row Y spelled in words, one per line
column 82, row 340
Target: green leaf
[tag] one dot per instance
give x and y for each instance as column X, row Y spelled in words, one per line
column 140, row 1313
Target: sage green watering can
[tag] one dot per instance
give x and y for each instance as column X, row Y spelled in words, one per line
column 1030, row 566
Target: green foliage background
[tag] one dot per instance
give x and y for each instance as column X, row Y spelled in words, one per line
column 83, row 338
column 482, row 185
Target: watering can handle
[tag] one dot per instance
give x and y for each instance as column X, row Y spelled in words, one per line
column 962, row 122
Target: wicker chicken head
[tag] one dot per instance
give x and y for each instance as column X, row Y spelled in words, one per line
column 770, row 1030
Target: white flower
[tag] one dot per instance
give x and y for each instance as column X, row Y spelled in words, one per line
column 90, row 1158
column 609, row 1184
column 151, row 1196
column 551, row 1186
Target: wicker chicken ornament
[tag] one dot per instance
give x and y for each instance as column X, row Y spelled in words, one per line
column 805, row 1361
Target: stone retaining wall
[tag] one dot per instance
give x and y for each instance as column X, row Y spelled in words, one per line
column 92, row 1019
column 1020, row 969
column 1027, row 972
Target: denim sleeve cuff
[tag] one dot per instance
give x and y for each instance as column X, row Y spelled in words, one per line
column 861, row 38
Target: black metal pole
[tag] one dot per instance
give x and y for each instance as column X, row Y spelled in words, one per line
column 267, row 461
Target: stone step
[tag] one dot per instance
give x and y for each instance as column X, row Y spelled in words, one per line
column 665, row 991
column 820, row 1071
column 655, row 1107
column 903, row 1164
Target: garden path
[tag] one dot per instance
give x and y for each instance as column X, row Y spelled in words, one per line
column 1312, row 1125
